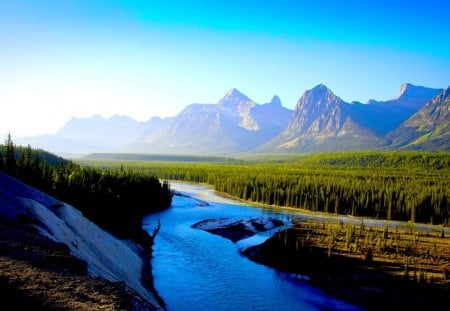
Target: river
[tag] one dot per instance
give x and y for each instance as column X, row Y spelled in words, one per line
column 196, row 270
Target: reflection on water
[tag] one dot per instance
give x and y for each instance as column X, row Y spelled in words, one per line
column 196, row 270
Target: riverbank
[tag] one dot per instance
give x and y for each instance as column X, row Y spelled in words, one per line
column 205, row 192
column 374, row 268
column 196, row 270
column 191, row 261
column 371, row 267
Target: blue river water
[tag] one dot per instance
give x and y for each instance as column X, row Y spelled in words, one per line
column 196, row 270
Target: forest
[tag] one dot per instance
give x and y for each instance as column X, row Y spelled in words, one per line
column 407, row 186
column 115, row 199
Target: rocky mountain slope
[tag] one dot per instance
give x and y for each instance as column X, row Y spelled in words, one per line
column 324, row 122
column 321, row 122
column 38, row 273
column 428, row 128
column 234, row 124
column 59, row 239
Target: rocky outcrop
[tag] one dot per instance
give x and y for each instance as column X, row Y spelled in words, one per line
column 428, row 128
column 104, row 256
column 322, row 122
column 37, row 273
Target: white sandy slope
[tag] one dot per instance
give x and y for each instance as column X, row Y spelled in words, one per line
column 106, row 256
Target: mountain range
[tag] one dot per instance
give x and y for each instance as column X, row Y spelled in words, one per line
column 428, row 128
column 234, row 124
column 324, row 122
column 417, row 119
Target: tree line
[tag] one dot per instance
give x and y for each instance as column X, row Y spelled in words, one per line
column 116, row 200
column 407, row 186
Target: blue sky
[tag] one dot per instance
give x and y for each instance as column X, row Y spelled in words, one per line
column 65, row 58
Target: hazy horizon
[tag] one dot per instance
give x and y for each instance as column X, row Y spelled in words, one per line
column 63, row 59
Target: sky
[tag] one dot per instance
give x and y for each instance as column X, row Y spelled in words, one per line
column 142, row 58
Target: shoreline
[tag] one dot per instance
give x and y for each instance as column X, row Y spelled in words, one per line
column 366, row 266
column 380, row 223
column 146, row 253
column 377, row 283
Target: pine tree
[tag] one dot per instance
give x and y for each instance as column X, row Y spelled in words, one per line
column 10, row 160
column 28, row 156
column 36, row 164
column 2, row 162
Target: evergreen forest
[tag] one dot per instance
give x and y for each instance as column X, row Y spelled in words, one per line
column 115, row 199
column 406, row 186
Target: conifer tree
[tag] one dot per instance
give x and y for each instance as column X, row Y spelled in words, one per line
column 10, row 157
column 2, row 162
column 36, row 164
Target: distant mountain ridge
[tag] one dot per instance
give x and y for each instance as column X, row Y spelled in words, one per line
column 320, row 122
column 384, row 116
column 324, row 122
column 428, row 128
column 234, row 124
column 86, row 135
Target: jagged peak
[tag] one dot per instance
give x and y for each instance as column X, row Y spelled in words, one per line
column 275, row 101
column 318, row 95
column 233, row 97
column 441, row 97
column 320, row 87
column 235, row 93
column 319, row 91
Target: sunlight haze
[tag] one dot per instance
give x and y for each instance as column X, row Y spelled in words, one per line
column 64, row 59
